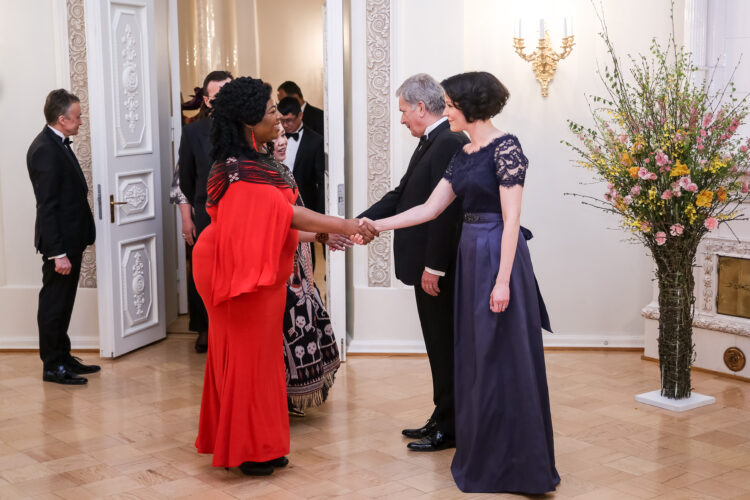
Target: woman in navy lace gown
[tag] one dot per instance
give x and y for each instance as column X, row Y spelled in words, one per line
column 504, row 440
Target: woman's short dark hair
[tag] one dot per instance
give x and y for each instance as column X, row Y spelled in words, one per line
column 58, row 104
column 241, row 101
column 478, row 95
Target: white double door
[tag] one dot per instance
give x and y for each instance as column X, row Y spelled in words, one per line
column 126, row 173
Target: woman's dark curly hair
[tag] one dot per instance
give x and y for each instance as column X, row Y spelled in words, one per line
column 478, row 95
column 241, row 101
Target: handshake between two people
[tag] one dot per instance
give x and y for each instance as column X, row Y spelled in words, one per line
column 362, row 231
column 341, row 233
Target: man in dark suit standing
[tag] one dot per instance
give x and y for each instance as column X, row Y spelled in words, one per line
column 194, row 165
column 64, row 228
column 313, row 117
column 304, row 155
column 425, row 255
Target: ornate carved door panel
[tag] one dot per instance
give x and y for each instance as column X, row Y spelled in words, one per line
column 125, row 154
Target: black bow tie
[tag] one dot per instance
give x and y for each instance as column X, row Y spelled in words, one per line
column 67, row 141
column 293, row 135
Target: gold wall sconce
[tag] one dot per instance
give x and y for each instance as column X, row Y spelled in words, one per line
column 544, row 59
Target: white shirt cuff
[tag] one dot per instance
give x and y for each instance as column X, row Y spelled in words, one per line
column 58, row 256
column 432, row 271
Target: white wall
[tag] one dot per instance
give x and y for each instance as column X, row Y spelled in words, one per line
column 28, row 29
column 593, row 281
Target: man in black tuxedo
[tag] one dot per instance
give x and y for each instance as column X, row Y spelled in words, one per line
column 64, row 228
column 313, row 117
column 194, row 165
column 425, row 255
column 304, row 155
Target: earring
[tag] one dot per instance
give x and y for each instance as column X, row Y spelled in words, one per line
column 252, row 133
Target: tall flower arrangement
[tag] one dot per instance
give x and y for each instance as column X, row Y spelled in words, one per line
column 674, row 168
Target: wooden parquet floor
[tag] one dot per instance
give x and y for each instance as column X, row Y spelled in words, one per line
column 129, row 434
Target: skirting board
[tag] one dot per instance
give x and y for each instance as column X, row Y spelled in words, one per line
column 574, row 340
column 32, row 343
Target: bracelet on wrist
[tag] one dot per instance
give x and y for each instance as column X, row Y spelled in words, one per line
column 321, row 237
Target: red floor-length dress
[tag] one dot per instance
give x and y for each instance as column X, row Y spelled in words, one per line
column 241, row 263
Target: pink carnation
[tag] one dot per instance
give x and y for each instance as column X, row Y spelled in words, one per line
column 661, row 238
column 628, row 200
column 701, row 147
column 636, row 190
column 661, row 159
column 711, row 223
column 684, row 182
column 666, row 195
column 693, row 187
column 645, row 227
column 676, row 229
column 743, row 148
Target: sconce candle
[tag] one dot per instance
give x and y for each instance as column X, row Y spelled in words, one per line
column 544, row 59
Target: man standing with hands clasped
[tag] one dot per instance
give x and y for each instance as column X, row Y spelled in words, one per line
column 64, row 228
column 425, row 255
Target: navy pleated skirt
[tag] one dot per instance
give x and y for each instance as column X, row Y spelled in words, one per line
column 504, row 440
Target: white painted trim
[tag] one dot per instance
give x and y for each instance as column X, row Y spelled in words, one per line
column 386, row 347
column 603, row 340
column 97, row 117
column 335, row 121
column 573, row 340
column 62, row 48
column 27, row 342
column 176, row 126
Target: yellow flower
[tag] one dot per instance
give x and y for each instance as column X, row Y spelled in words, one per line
column 679, row 169
column 633, row 172
column 652, row 193
column 704, row 198
column 690, row 213
column 625, row 159
column 716, row 165
column 721, row 194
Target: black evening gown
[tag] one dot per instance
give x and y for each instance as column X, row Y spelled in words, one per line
column 504, row 439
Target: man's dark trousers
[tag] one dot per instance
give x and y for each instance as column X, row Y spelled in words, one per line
column 56, row 300
column 436, row 318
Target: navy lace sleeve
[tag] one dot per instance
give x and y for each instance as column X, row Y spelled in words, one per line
column 448, row 175
column 510, row 162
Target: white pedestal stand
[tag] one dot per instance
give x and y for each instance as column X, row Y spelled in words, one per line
column 654, row 398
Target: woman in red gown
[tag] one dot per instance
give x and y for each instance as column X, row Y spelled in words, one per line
column 241, row 264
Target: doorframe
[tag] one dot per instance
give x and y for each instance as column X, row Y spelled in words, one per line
column 333, row 93
column 176, row 136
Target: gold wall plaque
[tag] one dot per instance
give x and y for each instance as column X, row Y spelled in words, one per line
column 733, row 297
column 734, row 358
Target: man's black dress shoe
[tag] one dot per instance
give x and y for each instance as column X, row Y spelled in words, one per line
column 201, row 343
column 433, row 442
column 74, row 364
column 429, row 428
column 278, row 462
column 61, row 374
column 256, row 468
